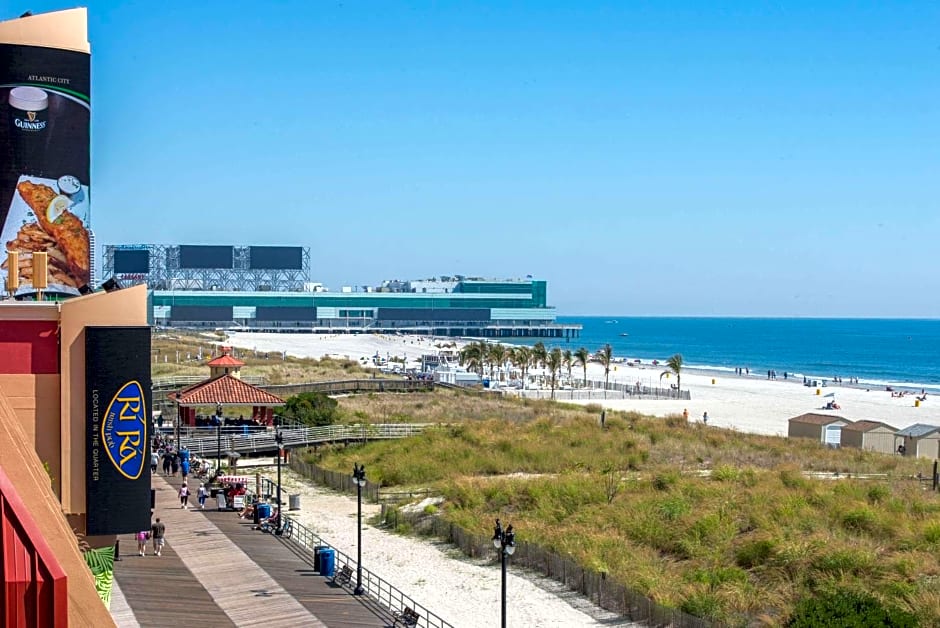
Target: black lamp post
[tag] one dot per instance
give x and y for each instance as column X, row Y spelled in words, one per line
column 218, row 438
column 505, row 542
column 279, row 439
column 359, row 477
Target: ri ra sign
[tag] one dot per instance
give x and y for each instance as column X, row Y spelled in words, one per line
column 117, row 438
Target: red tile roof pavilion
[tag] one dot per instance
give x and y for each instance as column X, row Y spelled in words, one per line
column 225, row 360
column 227, row 390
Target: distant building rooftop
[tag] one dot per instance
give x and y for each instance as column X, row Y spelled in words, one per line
column 817, row 419
column 918, row 430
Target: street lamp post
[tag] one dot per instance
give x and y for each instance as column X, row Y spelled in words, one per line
column 218, row 438
column 359, row 477
column 505, row 542
column 279, row 439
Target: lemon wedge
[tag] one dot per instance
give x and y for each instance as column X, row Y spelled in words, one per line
column 57, row 207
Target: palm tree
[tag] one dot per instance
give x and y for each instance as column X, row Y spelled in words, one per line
column 497, row 353
column 522, row 357
column 539, row 354
column 582, row 356
column 553, row 362
column 674, row 365
column 567, row 359
column 539, row 357
column 472, row 356
column 604, row 356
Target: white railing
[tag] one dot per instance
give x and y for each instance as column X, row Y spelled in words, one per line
column 265, row 441
column 179, row 381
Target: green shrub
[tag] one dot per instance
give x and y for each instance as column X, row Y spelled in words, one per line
column 845, row 561
column 717, row 576
column 878, row 493
column 725, row 473
column 932, row 533
column 859, row 520
column 848, row 609
column 311, row 408
column 673, row 508
column 701, row 604
column 664, row 481
column 793, row 479
column 754, row 553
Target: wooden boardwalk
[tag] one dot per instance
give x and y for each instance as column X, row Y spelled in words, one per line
column 217, row 571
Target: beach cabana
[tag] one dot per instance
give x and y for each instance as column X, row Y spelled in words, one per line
column 920, row 440
column 870, row 436
column 825, row 428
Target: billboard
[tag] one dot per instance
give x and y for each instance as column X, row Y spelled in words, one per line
column 45, row 118
column 205, row 256
column 276, row 258
column 117, row 442
column 133, row 261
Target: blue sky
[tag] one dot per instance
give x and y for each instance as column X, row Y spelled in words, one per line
column 680, row 158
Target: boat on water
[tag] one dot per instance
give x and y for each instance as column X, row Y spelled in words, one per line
column 624, row 334
column 611, row 321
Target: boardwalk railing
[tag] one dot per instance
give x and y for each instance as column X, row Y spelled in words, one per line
column 384, row 592
column 208, row 443
column 181, row 381
column 596, row 390
column 350, row 386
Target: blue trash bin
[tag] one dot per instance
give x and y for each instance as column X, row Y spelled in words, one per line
column 327, row 562
column 264, row 510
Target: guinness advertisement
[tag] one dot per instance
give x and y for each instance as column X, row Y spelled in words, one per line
column 45, row 118
column 117, row 440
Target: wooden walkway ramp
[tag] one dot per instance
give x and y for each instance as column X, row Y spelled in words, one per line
column 217, row 571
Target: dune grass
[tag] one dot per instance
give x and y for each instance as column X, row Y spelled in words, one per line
column 721, row 524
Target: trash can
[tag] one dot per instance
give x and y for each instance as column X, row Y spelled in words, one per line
column 263, row 510
column 327, row 562
column 256, row 514
column 294, row 502
column 316, row 556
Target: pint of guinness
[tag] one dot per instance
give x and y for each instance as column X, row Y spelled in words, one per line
column 28, row 129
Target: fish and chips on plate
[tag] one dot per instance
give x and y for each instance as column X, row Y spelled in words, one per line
column 50, row 222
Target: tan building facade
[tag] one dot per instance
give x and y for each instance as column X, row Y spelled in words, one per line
column 44, row 424
column 920, row 441
column 825, row 428
column 870, row 436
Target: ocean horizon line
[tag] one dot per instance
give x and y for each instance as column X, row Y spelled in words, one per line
column 749, row 317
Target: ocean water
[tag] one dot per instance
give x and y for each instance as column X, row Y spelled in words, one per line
column 878, row 352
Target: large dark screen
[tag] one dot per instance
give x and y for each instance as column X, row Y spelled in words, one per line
column 134, row 261
column 194, row 256
column 277, row 257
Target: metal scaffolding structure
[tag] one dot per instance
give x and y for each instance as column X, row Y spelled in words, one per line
column 163, row 271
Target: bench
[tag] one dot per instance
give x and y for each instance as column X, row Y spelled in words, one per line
column 343, row 576
column 407, row 617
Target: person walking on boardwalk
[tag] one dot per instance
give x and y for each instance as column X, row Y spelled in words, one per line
column 202, row 495
column 142, row 537
column 157, row 533
column 166, row 462
column 154, row 461
column 184, row 496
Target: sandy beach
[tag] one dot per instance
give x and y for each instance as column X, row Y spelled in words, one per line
column 749, row 404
